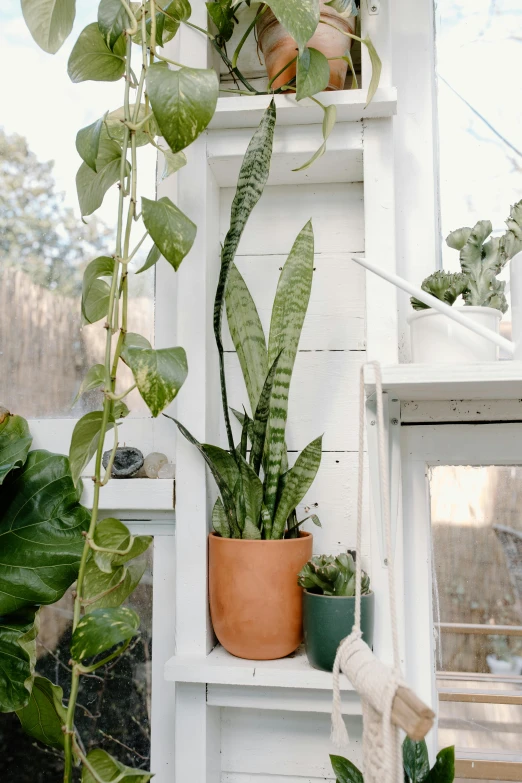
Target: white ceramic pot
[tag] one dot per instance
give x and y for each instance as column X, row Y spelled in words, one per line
column 499, row 666
column 437, row 339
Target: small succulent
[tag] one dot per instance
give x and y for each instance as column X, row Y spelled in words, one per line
column 330, row 575
column 445, row 286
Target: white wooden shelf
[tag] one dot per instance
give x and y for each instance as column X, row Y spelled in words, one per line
column 246, row 111
column 133, row 495
column 489, row 381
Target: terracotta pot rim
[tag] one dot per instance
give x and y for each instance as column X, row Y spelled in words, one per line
column 302, row 534
column 269, row 18
column 338, row 597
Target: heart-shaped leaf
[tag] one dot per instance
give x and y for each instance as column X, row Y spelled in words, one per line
column 345, row 771
column 102, row 590
column 96, row 376
column 44, row 715
column 18, row 633
column 41, row 526
column 183, row 102
column 174, row 161
column 108, row 768
column 96, row 292
column 92, row 185
column 102, row 629
column 113, row 19
column 222, row 14
column 172, row 231
column 88, row 142
column 49, row 21
column 159, row 374
column 115, row 126
column 444, row 769
column 84, row 441
column 92, row 60
column 114, row 535
column 299, row 17
column 313, row 73
column 133, row 340
column 15, row 442
column 153, row 257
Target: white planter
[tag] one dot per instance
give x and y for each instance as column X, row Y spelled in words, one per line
column 498, row 666
column 437, row 339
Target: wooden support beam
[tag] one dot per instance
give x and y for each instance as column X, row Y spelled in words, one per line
column 411, row 714
column 480, row 769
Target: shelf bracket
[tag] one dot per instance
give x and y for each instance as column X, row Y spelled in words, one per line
column 392, row 423
column 374, row 6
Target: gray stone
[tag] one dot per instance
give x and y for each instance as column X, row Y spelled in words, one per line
column 127, row 461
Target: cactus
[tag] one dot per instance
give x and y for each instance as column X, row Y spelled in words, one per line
column 330, row 575
column 443, row 285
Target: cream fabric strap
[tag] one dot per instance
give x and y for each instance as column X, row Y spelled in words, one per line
column 375, row 682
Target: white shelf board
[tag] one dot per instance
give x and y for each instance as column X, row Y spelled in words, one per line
column 132, row 494
column 489, row 381
column 221, row 668
column 246, row 111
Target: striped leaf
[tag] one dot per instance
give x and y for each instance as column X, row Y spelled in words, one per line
column 261, row 419
column 288, row 314
column 220, row 520
column 252, row 179
column 247, row 334
column 253, row 498
column 298, row 481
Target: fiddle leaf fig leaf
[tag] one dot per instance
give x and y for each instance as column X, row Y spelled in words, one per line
column 313, row 73
column 344, row 7
column 153, row 257
column 92, row 60
column 106, row 590
column 298, row 481
column 96, row 377
column 100, row 630
column 84, row 441
column 415, row 760
column 108, row 768
column 44, row 715
column 113, row 19
column 133, row 340
column 345, row 771
column 183, row 102
column 88, row 142
column 15, row 442
column 329, row 118
column 299, row 18
column 111, row 534
column 96, row 292
column 93, row 185
column 49, row 21
column 18, row 632
column 159, row 374
column 41, row 527
column 172, row 231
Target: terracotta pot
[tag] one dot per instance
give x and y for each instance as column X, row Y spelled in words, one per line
column 279, row 47
column 255, row 601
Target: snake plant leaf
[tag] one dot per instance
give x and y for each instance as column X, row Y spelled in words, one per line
column 222, row 14
column 376, row 64
column 92, row 185
column 415, row 760
column 457, row 239
column 288, row 314
column 247, row 334
column 219, row 519
column 183, row 102
column 313, row 73
column 18, row 632
column 242, row 418
column 15, row 442
column 220, row 467
column 113, row 19
column 44, row 715
column 84, row 441
column 108, row 768
column 110, row 589
column 114, row 535
column 299, row 18
column 345, row 771
column 41, row 526
column 172, row 231
column 88, row 142
column 299, row 479
column 100, row 630
column 95, row 292
column 96, row 376
column 159, row 374
column 153, row 257
column 345, row 8
column 49, row 21
column 261, row 419
column 174, row 161
column 133, row 340
column 92, row 60
column 329, row 118
column 252, row 487
column 444, row 769
column 115, row 128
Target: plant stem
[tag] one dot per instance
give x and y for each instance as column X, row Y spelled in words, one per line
column 246, row 34
column 283, row 69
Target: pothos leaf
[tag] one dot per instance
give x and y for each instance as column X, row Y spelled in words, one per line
column 222, row 14
column 313, row 73
column 49, row 21
column 172, row 231
column 92, row 60
column 102, row 629
column 88, row 142
column 108, row 768
column 95, row 377
column 113, row 19
column 329, row 118
column 95, row 292
column 159, row 374
column 299, row 17
column 344, row 7
column 84, row 441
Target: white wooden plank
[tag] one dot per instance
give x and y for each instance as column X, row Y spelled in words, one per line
column 239, row 777
column 196, row 737
column 323, row 398
column 133, row 495
column 336, row 211
column 287, row 699
column 435, row 411
column 335, row 319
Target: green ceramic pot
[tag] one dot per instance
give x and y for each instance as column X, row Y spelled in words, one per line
column 327, row 620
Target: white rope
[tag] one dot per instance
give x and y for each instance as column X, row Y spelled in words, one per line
column 375, row 682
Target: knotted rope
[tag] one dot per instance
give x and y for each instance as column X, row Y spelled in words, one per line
column 375, row 682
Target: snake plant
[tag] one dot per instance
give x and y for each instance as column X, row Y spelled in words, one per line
column 415, row 761
column 330, row 575
column 258, row 492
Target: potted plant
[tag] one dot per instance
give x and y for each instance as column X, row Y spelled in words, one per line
column 435, row 338
column 415, row 761
column 329, row 606
column 502, row 660
column 256, row 549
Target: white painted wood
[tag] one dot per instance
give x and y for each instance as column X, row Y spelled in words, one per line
column 233, row 777
column 336, row 317
column 196, row 737
column 133, row 495
column 287, row 699
column 434, row 411
column 246, row 111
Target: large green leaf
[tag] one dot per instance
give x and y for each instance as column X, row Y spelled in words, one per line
column 49, row 21
column 224, row 463
column 153, row 257
column 376, row 69
column 15, row 442
column 113, row 19
column 95, row 377
column 219, row 519
column 261, row 419
column 41, row 526
column 345, row 771
column 88, row 142
column 18, row 633
column 444, row 769
column 106, row 590
column 299, row 17
column 172, row 231
column 114, row 535
column 299, row 479
column 116, row 128
column 92, row 185
column 102, row 629
column 252, row 488
column 288, row 314
column 96, row 292
column 183, row 102
column 329, row 118
column 44, row 715
column 313, row 73
column 222, row 14
column 174, row 161
column 92, row 60
column 110, row 769
column 415, row 760
column 84, row 442
column 133, row 340
column 247, row 334
column 159, row 374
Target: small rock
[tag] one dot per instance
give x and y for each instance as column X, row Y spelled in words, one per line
column 127, row 461
column 153, row 462
column 167, row 471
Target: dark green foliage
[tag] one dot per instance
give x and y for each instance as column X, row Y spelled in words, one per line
column 330, row 575
column 416, row 765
